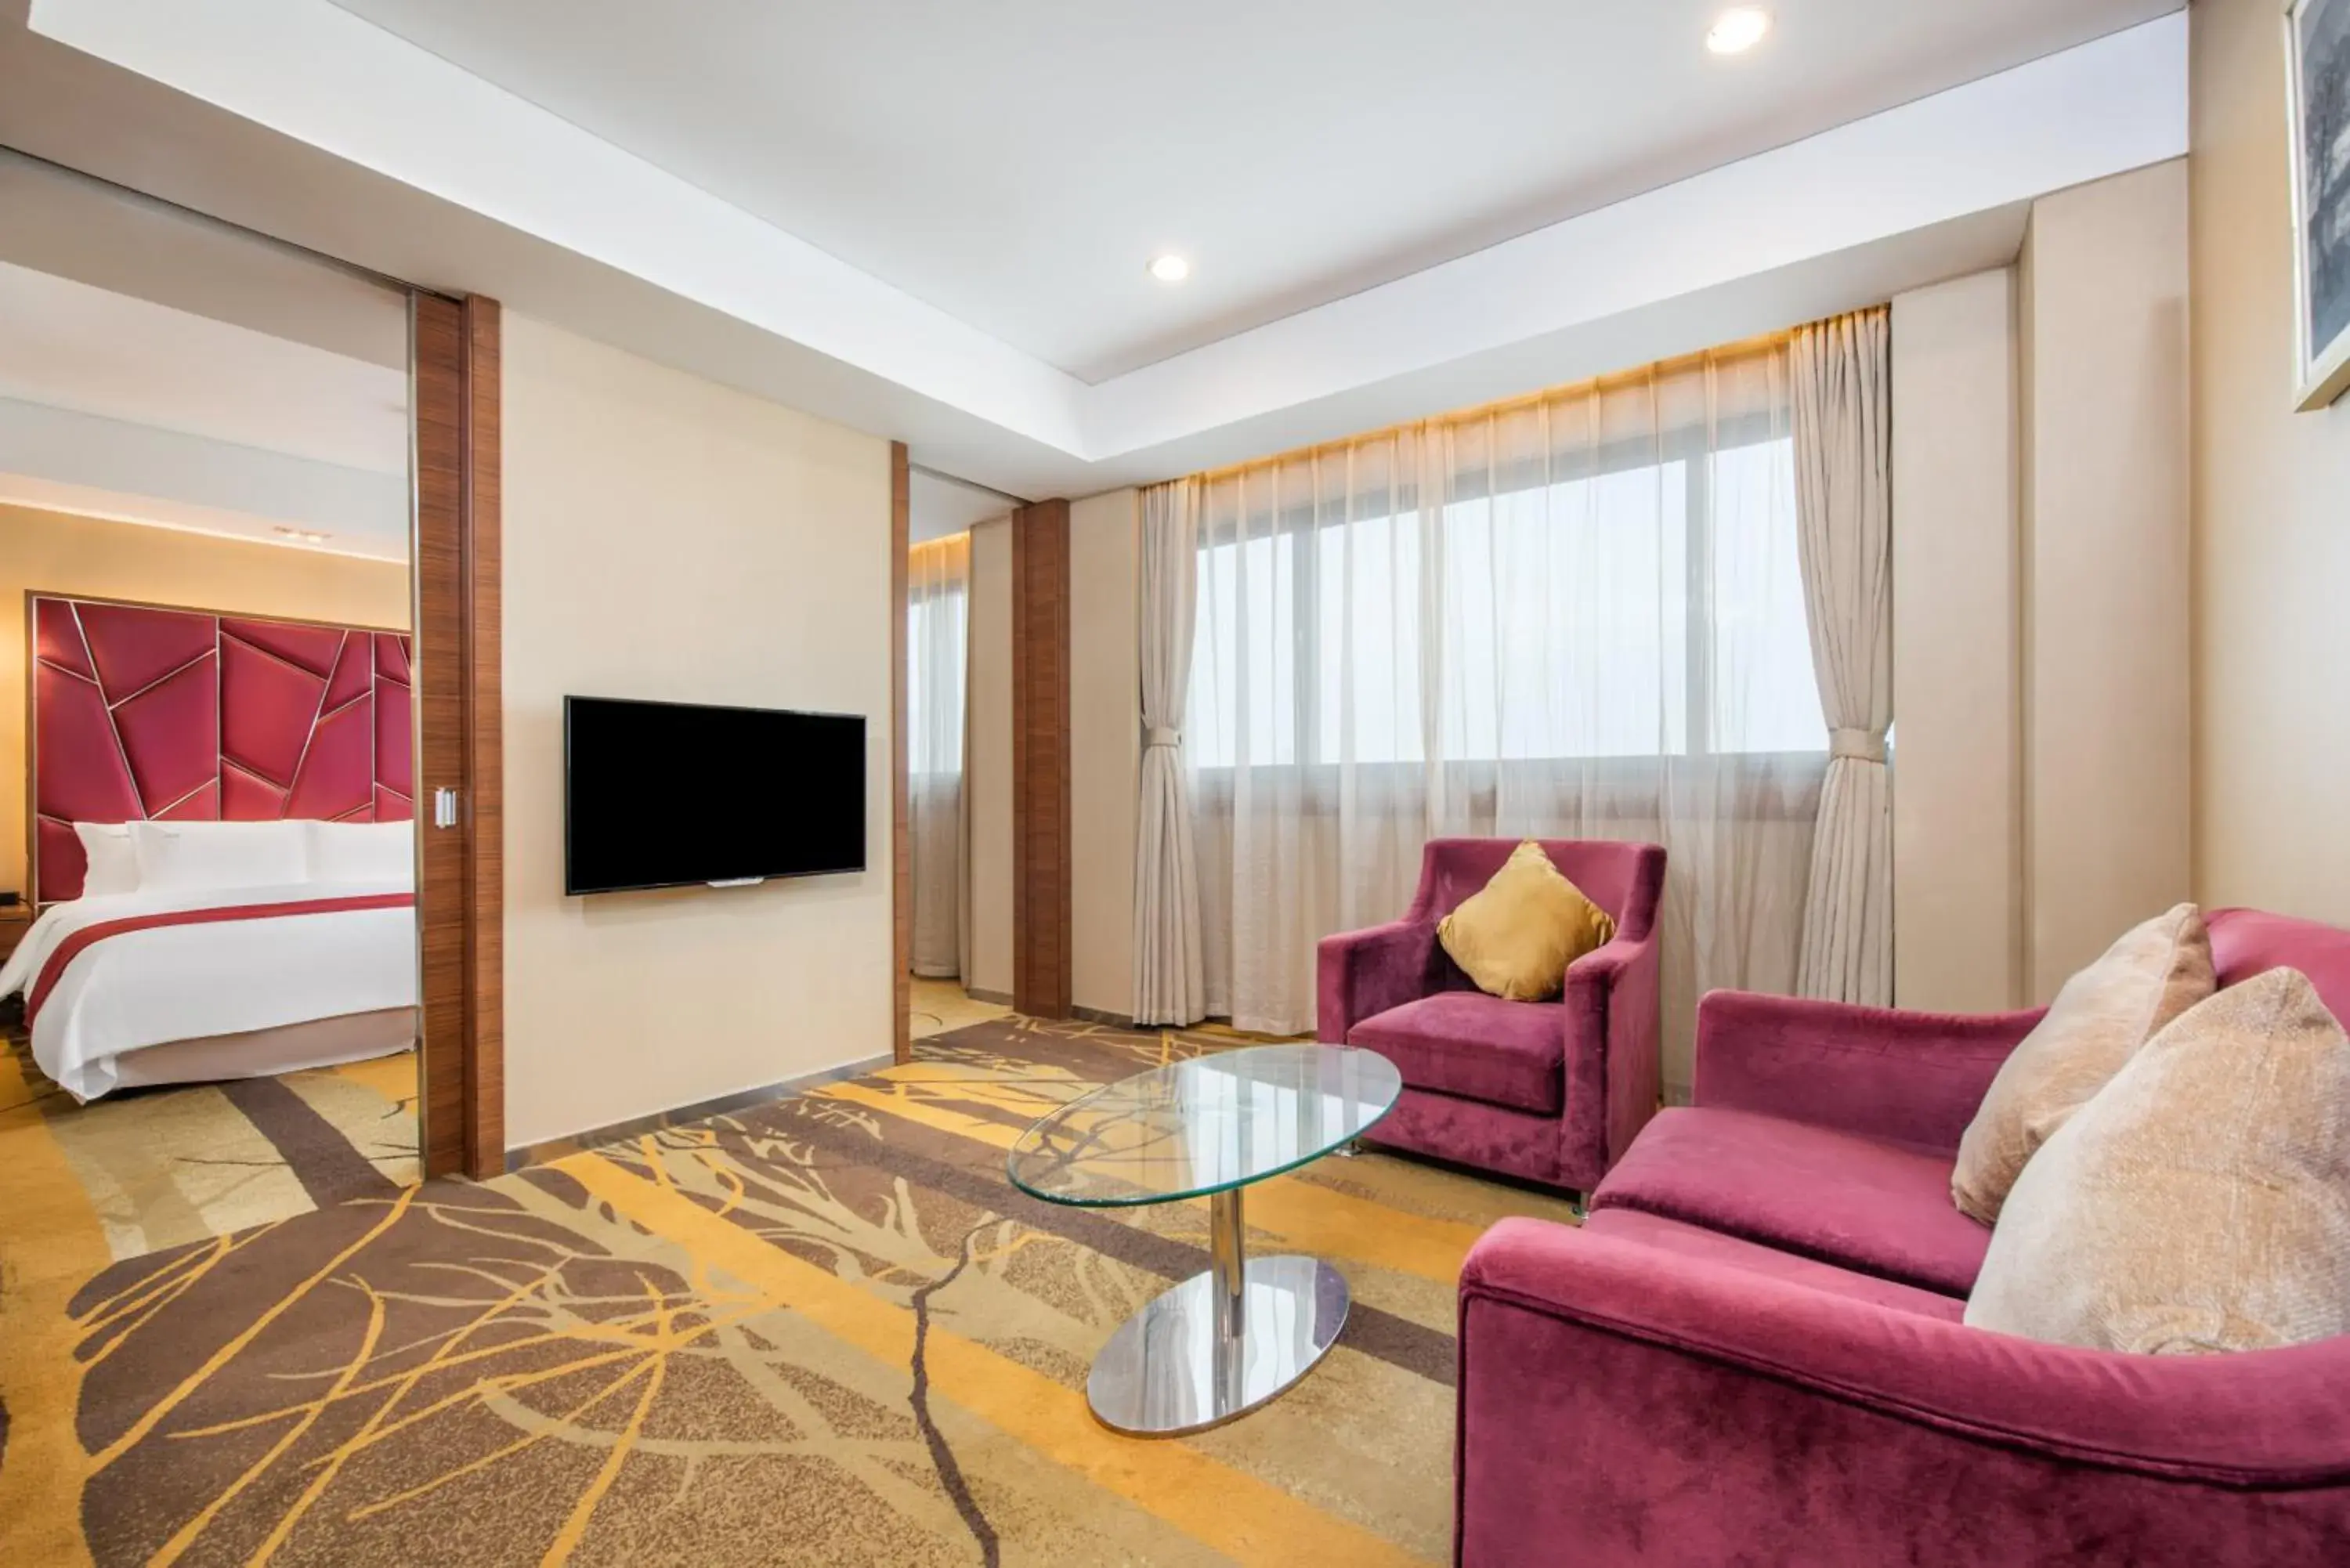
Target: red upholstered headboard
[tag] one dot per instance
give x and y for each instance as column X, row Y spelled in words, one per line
column 189, row 716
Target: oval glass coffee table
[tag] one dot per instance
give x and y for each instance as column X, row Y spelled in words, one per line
column 1225, row 1341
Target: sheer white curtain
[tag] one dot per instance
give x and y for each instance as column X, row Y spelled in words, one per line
column 938, row 656
column 1578, row 616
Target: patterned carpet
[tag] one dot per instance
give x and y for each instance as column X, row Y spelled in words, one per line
column 825, row 1330
column 162, row 1168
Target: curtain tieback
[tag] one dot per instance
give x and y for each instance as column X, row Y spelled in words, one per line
column 1859, row 745
column 1158, row 735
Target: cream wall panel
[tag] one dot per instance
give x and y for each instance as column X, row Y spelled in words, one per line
column 1105, row 745
column 2106, row 672
column 2272, row 532
column 666, row 537
column 1958, row 783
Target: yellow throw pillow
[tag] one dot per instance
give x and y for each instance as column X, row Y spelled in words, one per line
column 2097, row 1021
column 1516, row 935
column 2201, row 1200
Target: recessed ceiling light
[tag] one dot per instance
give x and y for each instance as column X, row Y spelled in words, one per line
column 307, row 535
column 1735, row 32
column 1169, row 268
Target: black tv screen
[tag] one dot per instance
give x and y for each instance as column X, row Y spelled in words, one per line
column 662, row 794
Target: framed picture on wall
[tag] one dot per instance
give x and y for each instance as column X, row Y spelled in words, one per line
column 2317, row 60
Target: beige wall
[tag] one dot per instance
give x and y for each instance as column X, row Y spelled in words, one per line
column 2106, row 819
column 666, row 537
column 47, row 552
column 1105, row 745
column 1958, row 785
column 2042, row 655
column 989, row 784
column 2272, row 523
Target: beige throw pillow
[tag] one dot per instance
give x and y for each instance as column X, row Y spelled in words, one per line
column 2102, row 1016
column 1516, row 935
column 2201, row 1200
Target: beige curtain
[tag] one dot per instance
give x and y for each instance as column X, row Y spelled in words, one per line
column 1843, row 406
column 1168, row 981
column 938, row 641
column 1579, row 615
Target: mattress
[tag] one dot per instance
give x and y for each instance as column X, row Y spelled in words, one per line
column 107, row 979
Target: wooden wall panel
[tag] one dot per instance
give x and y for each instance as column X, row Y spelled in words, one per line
column 484, row 676
column 1040, row 880
column 437, row 331
column 460, row 889
column 902, row 862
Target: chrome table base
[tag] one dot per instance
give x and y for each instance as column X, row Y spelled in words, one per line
column 1222, row 1342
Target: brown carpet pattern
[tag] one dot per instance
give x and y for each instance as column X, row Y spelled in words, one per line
column 827, row 1330
column 165, row 1167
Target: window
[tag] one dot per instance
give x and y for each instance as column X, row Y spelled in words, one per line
column 1576, row 616
column 938, row 603
column 937, row 597
column 935, row 639
column 1646, row 609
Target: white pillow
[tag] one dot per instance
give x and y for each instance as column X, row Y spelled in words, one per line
column 193, row 856
column 362, row 852
column 113, row 862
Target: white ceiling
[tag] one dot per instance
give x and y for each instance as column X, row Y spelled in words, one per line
column 117, row 407
column 938, row 504
column 153, row 511
column 1016, row 163
column 71, row 345
column 72, row 226
column 300, row 119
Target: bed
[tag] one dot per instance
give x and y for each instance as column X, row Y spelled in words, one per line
column 220, row 846
column 193, row 985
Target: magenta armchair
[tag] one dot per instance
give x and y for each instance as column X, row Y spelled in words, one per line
column 1752, row 1352
column 1549, row 1091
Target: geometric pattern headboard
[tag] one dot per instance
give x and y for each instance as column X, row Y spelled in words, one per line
column 140, row 713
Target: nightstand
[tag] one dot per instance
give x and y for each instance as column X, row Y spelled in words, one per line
column 15, row 920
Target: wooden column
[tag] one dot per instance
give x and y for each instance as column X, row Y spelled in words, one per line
column 901, row 861
column 1041, row 974
column 460, row 889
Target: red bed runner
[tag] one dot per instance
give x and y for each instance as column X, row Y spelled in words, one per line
column 74, row 946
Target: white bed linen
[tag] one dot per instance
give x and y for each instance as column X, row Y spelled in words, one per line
column 145, row 987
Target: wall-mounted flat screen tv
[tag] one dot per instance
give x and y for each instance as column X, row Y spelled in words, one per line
column 665, row 794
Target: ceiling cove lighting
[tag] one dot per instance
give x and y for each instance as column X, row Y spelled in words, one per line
column 1169, row 268
column 1735, row 32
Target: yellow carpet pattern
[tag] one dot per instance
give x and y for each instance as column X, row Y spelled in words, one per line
column 937, row 1006
column 825, row 1330
column 165, row 1167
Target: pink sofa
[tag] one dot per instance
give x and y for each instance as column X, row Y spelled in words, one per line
column 1550, row 1091
column 1752, row 1352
